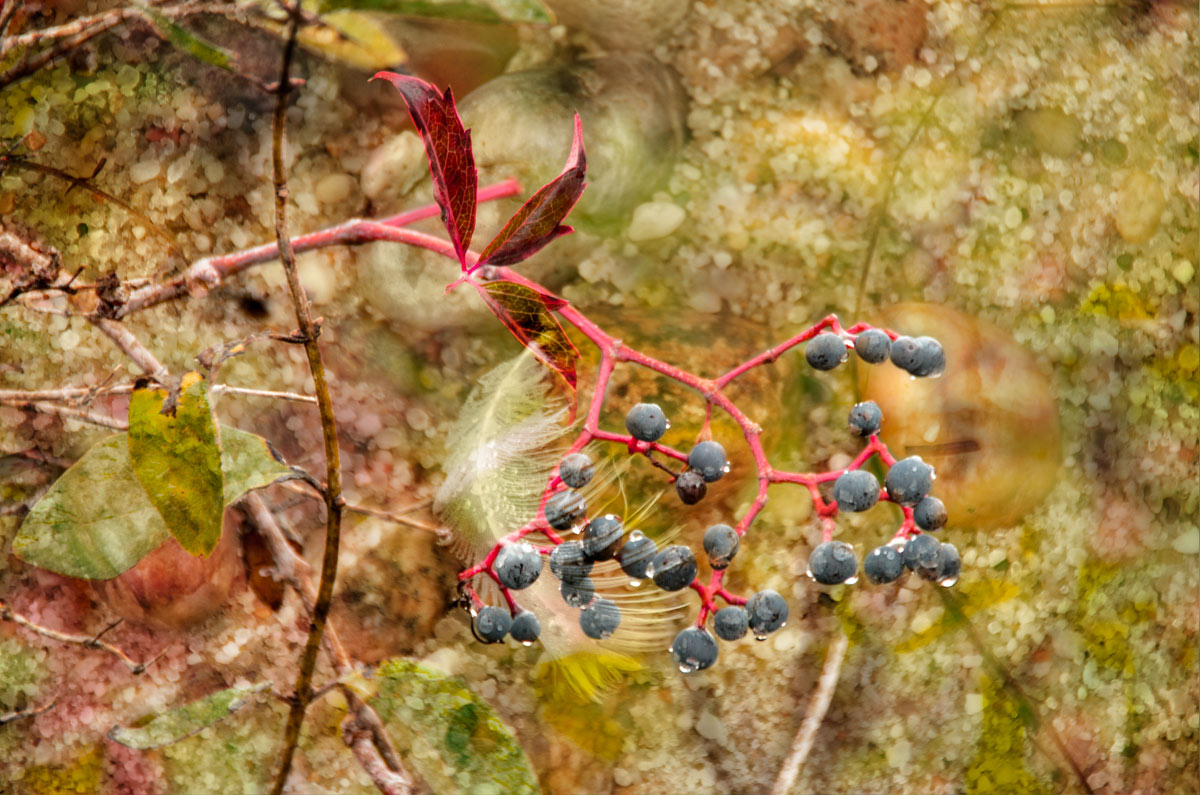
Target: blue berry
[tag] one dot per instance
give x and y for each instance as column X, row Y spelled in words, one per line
column 577, row 593
column 694, row 650
column 866, row 418
column 766, row 612
column 731, row 623
column 930, row 359
column 569, row 562
column 646, row 422
column 674, row 568
column 930, row 514
column 825, row 351
column 602, row 536
column 525, row 627
column 832, row 563
column 492, row 624
column 636, row 554
column 951, row 565
column 600, row 619
column 873, row 346
column 518, row 565
column 905, row 353
column 856, row 490
column 909, row 480
column 576, row 470
column 885, row 564
column 565, row 509
column 708, row 458
column 720, row 544
column 923, row 555
column 690, row 487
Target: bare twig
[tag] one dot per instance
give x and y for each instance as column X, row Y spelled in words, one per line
column 21, row 714
column 83, row 415
column 132, row 347
column 69, row 394
column 398, row 517
column 87, row 641
column 816, row 713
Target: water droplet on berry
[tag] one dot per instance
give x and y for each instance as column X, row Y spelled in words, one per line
column 760, row 637
column 809, row 574
column 635, row 583
column 526, row 643
column 851, row 581
column 686, row 668
column 948, row 582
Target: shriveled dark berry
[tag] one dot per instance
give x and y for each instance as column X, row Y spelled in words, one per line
column 720, row 544
column 674, row 568
column 492, row 624
column 825, row 351
column 883, row 565
column 690, row 487
column 708, row 458
column 923, row 556
column 525, row 627
column 636, row 553
column 766, row 612
column 646, row 422
column 905, row 353
column 930, row 514
column 731, row 623
column 866, row 418
column 518, row 565
column 694, row 650
column 930, row 358
column 602, row 536
column 833, row 562
column 856, row 490
column 576, row 470
column 565, row 509
column 568, row 561
column 873, row 346
column 577, row 593
column 600, row 619
column 908, row 480
column 951, row 565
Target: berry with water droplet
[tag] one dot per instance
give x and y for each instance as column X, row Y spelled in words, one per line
column 577, row 593
column 600, row 619
column 492, row 624
column 825, row 351
column 569, row 562
column 883, row 565
column 518, row 565
column 908, row 480
column 576, row 470
column 525, row 627
column 930, row 514
column 866, row 419
column 602, row 536
column 731, row 623
column 674, row 568
column 690, row 487
column 833, row 562
column 930, row 359
column 766, row 612
column 708, row 458
column 565, row 509
column 856, row 490
column 951, row 565
column 905, row 353
column 694, row 649
column 636, row 554
column 646, row 422
column 923, row 555
column 873, row 346
column 720, row 544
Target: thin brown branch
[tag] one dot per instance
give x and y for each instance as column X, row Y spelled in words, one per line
column 817, row 707
column 132, row 347
column 71, row 394
column 83, row 415
column 87, row 641
column 21, row 714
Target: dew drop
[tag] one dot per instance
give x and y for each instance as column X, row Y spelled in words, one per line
column 852, row 581
column 760, row 637
column 809, row 573
column 526, row 643
column 948, row 582
column 635, row 583
column 686, row 668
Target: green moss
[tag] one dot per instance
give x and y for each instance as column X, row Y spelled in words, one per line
column 999, row 762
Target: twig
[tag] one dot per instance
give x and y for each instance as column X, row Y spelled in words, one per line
column 87, row 641
column 132, row 347
column 392, row 516
column 816, row 713
column 333, row 475
column 66, row 394
column 27, row 713
column 82, row 415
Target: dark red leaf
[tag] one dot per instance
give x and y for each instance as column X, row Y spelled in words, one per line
column 539, row 219
column 529, row 315
column 448, row 147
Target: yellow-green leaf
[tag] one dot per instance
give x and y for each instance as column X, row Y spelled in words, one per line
column 176, row 458
column 473, row 10
column 96, row 520
column 187, row 41
column 182, row 722
column 355, row 39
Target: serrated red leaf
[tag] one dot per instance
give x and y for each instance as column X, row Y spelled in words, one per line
column 540, row 219
column 448, row 148
column 529, row 315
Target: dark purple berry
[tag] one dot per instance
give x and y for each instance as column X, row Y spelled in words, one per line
column 856, row 490
column 708, row 458
column 518, row 565
column 909, row 480
column 565, row 509
column 872, row 346
column 905, row 353
column 492, row 624
column 930, row 514
column 569, row 562
column 577, row 593
column 832, row 563
column 576, row 470
column 690, row 487
column 866, row 418
column 766, row 612
column 720, row 544
column 600, row 619
column 694, row 650
column 885, row 564
column 825, row 351
column 646, row 422
column 525, row 627
column 636, row 554
column 923, row 555
column 674, row 568
column 731, row 623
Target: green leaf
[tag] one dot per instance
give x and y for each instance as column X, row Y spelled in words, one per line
column 187, row 41
column 450, row 735
column 182, row 722
column 353, row 38
column 96, row 521
column 177, row 460
column 472, row 10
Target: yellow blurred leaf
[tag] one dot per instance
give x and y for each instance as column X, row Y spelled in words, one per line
column 353, row 38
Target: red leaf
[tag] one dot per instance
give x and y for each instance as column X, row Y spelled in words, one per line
column 539, row 219
column 448, row 148
column 529, row 315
